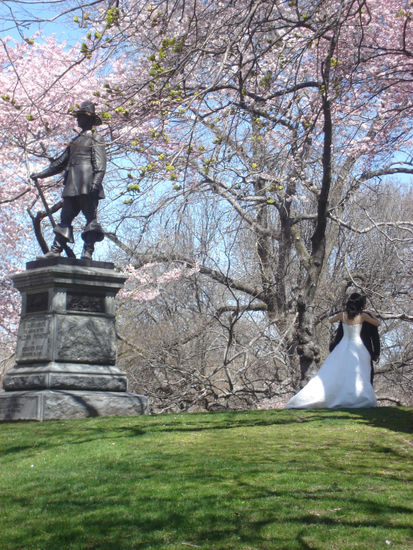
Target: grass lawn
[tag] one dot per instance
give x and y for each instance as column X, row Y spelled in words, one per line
column 241, row 480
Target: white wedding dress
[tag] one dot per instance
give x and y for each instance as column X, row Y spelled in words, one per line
column 344, row 379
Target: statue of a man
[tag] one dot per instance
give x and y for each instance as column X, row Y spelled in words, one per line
column 84, row 163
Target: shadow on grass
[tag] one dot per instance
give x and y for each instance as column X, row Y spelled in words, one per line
column 397, row 419
column 57, row 432
column 33, row 435
column 127, row 518
column 393, row 418
column 158, row 498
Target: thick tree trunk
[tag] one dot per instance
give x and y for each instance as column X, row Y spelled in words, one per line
column 307, row 349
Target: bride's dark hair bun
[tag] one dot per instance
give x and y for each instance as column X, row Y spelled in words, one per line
column 355, row 304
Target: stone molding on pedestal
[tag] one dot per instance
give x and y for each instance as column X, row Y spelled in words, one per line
column 67, row 343
column 58, row 405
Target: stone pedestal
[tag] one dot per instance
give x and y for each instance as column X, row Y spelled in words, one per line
column 66, row 346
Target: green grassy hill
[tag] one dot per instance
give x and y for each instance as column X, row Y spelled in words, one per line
column 243, row 480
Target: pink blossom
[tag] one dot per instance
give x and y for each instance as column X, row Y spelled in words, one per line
column 146, row 283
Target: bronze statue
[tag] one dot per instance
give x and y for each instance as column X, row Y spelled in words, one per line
column 84, row 163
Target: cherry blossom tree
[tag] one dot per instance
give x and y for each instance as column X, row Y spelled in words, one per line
column 280, row 111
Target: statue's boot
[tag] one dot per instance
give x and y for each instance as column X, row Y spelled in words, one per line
column 91, row 234
column 63, row 235
column 88, row 251
column 54, row 252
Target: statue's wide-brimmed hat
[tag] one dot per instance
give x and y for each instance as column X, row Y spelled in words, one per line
column 88, row 108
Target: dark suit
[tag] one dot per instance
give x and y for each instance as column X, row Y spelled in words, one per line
column 370, row 337
column 84, row 164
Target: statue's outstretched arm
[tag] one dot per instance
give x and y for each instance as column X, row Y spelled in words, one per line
column 56, row 166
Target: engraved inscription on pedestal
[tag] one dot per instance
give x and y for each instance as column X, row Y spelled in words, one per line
column 33, row 342
column 20, row 406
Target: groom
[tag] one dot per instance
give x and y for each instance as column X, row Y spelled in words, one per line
column 370, row 337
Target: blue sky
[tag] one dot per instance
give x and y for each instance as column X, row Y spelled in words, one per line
column 37, row 15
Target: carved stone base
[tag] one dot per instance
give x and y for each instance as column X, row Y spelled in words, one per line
column 66, row 345
column 65, row 376
column 57, row 405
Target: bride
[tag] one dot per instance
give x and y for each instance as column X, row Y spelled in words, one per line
column 343, row 381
